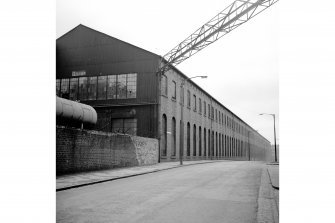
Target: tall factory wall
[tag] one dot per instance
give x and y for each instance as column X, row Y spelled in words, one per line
column 81, row 150
column 209, row 130
column 120, row 81
column 85, row 56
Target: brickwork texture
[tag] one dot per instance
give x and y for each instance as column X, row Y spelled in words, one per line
column 82, row 150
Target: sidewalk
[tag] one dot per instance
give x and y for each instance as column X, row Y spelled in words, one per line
column 273, row 170
column 268, row 198
column 69, row 181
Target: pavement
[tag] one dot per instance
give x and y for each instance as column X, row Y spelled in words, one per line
column 69, row 181
column 268, row 195
column 75, row 180
column 216, row 192
column 273, row 170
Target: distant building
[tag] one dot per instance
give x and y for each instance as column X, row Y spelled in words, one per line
column 121, row 82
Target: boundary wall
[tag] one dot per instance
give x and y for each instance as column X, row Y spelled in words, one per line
column 84, row 150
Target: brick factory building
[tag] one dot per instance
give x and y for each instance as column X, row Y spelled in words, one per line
column 121, row 82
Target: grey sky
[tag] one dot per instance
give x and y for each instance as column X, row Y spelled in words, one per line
column 242, row 67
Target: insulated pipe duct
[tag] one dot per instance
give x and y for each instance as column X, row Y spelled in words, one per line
column 73, row 113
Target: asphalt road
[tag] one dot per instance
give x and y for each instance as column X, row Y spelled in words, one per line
column 213, row 192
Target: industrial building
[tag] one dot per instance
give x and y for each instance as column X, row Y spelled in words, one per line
column 122, row 83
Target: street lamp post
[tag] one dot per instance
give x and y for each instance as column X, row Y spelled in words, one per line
column 182, row 117
column 274, row 129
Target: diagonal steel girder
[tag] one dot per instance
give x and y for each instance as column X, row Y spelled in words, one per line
column 237, row 13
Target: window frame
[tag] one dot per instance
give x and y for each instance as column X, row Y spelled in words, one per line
column 195, row 103
column 174, row 90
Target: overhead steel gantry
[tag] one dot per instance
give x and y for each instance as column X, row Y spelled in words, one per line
column 239, row 12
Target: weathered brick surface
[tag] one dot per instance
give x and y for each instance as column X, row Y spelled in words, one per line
column 81, row 150
column 171, row 108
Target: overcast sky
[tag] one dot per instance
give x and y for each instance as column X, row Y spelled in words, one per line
column 242, row 67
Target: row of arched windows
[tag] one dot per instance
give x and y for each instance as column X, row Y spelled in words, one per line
column 215, row 144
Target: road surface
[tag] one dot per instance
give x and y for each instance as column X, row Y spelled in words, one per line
column 213, row 192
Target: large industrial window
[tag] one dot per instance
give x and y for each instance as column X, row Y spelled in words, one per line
column 111, row 87
column 125, row 126
column 188, row 99
column 194, row 103
column 121, row 86
column 64, row 91
column 102, row 88
column 164, row 85
column 173, row 134
column 188, row 152
column 83, row 88
column 131, row 85
column 73, row 89
column 200, row 104
column 174, row 89
column 194, row 140
column 57, row 87
column 92, row 88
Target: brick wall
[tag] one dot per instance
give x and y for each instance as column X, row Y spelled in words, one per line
column 171, row 108
column 82, row 150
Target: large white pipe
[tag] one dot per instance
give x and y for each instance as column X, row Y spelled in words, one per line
column 74, row 111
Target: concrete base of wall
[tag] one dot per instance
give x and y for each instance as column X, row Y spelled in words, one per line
column 82, row 150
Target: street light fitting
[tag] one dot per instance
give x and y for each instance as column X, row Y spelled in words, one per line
column 184, row 80
column 266, row 114
column 274, row 130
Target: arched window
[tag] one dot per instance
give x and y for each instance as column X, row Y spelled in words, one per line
column 181, row 138
column 219, row 143
column 216, row 143
column 205, row 145
column 233, row 146
column 225, row 146
column 188, row 152
column 239, row 148
column 194, row 140
column 164, row 135
column 209, row 143
column 173, row 138
column 212, row 143
column 236, row 147
column 230, row 147
column 199, row 141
